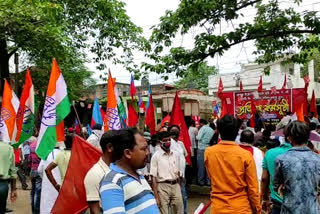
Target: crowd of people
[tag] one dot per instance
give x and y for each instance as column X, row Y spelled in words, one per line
column 249, row 170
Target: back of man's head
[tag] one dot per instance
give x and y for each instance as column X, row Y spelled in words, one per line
column 228, row 127
column 298, row 132
column 247, row 136
column 203, row 122
column 107, row 139
column 124, row 139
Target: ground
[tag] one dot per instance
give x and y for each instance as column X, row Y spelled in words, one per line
column 22, row 205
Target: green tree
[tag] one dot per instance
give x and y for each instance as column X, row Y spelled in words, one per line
column 197, row 78
column 66, row 28
column 275, row 30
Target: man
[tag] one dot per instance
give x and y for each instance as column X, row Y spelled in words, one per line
column 284, row 121
column 232, row 170
column 204, row 137
column 8, row 174
column 313, row 128
column 193, row 132
column 297, row 173
column 25, row 164
column 123, row 190
column 258, row 134
column 179, row 147
column 96, row 173
column 96, row 133
column 165, row 177
column 61, row 161
column 246, row 141
column 312, row 118
column 268, row 177
column 36, row 180
column 48, row 193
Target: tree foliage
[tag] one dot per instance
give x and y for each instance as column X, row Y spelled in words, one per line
column 275, row 30
column 65, row 29
column 198, row 78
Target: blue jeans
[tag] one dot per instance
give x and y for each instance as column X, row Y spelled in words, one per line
column 36, row 182
column 184, row 196
column 4, row 190
column 202, row 173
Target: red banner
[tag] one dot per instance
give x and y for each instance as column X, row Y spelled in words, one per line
column 272, row 105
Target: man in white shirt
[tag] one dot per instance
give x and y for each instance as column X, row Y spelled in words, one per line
column 313, row 119
column 98, row 171
column 284, row 121
column 94, row 138
column 247, row 139
column 193, row 132
column 179, row 147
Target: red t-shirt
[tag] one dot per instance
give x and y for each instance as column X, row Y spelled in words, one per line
column 248, row 148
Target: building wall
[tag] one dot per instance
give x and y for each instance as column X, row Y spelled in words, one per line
column 101, row 90
column 250, row 76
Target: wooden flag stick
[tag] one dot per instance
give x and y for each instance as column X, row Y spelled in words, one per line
column 77, row 116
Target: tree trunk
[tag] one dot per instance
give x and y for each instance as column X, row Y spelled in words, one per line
column 4, row 63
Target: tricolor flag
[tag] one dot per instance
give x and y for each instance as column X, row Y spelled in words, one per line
column 9, row 109
column 56, row 108
column 112, row 119
column 25, row 115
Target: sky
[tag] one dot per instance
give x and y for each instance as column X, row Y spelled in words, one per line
column 146, row 13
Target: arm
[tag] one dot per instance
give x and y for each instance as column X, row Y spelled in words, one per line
column 265, row 181
column 252, row 182
column 49, row 174
column 278, row 176
column 13, row 175
column 154, row 174
column 199, row 135
column 94, row 207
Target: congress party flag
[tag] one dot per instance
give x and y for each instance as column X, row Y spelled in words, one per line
column 9, row 109
column 56, row 108
column 25, row 115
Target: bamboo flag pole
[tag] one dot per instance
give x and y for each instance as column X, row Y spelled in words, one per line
column 77, row 116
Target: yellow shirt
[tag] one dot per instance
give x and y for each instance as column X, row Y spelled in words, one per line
column 234, row 182
column 62, row 160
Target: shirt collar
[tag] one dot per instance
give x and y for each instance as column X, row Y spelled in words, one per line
column 117, row 169
column 165, row 153
column 300, row 149
column 226, row 142
column 285, row 144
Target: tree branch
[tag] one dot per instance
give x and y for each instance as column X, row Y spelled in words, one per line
column 248, row 38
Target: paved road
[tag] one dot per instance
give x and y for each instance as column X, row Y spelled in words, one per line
column 22, row 205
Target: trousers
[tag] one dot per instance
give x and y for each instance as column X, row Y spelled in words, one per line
column 170, row 197
column 4, row 190
column 202, row 173
column 35, row 193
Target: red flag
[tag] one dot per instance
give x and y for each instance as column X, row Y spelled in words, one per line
column 299, row 113
column 132, row 88
column 220, row 88
column 253, row 113
column 150, row 120
column 241, row 87
column 313, row 106
column 260, row 85
column 132, row 116
column 285, row 82
column 306, row 81
column 72, row 196
column 177, row 118
column 224, row 108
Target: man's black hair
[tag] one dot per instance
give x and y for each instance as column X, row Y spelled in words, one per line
column 312, row 126
column 247, row 136
column 298, row 131
column 154, row 139
column 213, row 126
column 192, row 123
column 270, row 144
column 203, row 121
column 311, row 112
column 228, row 127
column 108, row 137
column 173, row 126
column 124, row 139
column 162, row 135
column 68, row 140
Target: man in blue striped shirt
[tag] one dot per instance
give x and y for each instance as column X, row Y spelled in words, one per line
column 123, row 189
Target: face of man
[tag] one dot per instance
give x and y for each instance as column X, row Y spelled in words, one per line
column 139, row 154
column 310, row 115
column 165, row 144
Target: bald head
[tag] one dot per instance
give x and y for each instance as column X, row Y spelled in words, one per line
column 247, row 136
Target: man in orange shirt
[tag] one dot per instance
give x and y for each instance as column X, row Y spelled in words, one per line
column 232, row 171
